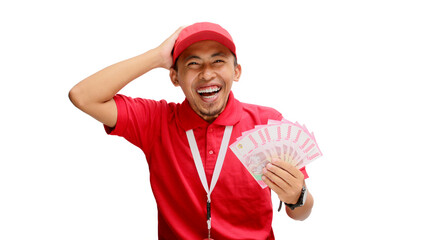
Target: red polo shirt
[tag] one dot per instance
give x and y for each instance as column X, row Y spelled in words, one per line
column 241, row 209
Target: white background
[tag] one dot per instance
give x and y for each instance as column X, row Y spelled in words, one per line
column 350, row 70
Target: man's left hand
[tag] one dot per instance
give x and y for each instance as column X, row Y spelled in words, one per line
column 284, row 179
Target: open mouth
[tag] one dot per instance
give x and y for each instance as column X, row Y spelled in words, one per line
column 208, row 92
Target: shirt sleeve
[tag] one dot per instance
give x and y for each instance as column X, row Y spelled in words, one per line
column 303, row 170
column 137, row 120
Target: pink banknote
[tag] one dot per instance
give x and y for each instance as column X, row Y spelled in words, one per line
column 285, row 140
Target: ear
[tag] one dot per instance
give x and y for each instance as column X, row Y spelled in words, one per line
column 237, row 73
column 173, row 77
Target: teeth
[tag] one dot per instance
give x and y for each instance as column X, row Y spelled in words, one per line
column 209, row 90
column 207, row 97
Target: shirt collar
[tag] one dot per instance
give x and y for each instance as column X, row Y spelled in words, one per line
column 231, row 115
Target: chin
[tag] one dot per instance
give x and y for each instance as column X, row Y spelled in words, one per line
column 212, row 112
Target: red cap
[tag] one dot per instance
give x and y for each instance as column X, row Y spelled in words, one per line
column 200, row 32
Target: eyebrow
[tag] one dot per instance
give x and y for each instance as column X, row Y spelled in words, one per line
column 191, row 57
column 218, row 54
column 197, row 57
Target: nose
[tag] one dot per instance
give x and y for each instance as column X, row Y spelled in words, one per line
column 207, row 73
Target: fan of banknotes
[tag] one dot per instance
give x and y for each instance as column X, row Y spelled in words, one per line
column 285, row 140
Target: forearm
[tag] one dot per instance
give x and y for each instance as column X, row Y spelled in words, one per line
column 94, row 95
column 103, row 85
column 303, row 212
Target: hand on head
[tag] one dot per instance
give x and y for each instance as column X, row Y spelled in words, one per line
column 165, row 49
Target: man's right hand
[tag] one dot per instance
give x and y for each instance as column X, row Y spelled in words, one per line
column 165, row 49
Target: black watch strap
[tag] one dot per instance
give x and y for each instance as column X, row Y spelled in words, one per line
column 300, row 202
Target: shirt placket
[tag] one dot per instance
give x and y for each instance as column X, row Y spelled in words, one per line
column 211, row 151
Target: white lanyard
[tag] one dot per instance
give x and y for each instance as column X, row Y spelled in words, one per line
column 217, row 168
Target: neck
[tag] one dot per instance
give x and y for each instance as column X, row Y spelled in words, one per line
column 209, row 119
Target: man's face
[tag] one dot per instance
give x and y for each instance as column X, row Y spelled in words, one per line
column 205, row 73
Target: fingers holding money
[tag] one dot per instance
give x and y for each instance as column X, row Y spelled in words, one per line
column 284, row 179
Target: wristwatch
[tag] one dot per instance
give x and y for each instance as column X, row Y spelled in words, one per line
column 300, row 202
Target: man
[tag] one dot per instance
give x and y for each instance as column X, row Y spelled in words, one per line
column 191, row 177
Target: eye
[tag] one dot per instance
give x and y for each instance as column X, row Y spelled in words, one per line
column 193, row 65
column 218, row 61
